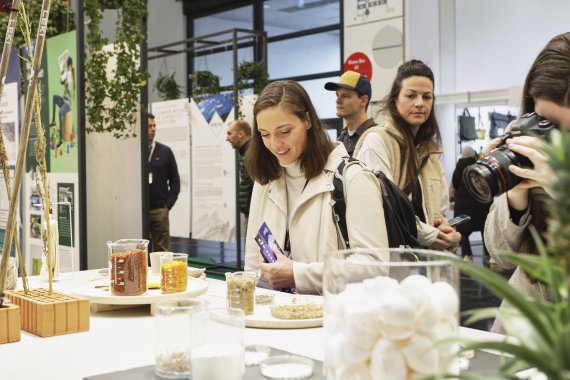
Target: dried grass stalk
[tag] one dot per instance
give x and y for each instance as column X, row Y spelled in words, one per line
column 23, row 146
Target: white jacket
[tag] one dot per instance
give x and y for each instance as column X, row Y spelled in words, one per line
column 378, row 148
column 312, row 230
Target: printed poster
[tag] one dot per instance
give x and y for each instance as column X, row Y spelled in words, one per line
column 173, row 129
column 213, row 170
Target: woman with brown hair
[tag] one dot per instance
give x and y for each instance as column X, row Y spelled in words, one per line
column 407, row 146
column 292, row 160
column 547, row 92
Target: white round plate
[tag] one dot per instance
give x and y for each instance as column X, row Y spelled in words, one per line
column 261, row 317
column 88, row 290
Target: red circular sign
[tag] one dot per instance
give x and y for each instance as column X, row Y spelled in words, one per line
column 360, row 63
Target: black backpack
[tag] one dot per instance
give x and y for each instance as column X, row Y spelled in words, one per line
column 399, row 212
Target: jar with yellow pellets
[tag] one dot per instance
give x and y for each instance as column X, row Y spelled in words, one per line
column 173, row 272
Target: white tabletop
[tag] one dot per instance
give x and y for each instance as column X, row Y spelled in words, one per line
column 123, row 339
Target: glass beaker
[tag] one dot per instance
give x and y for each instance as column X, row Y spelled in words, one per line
column 128, row 266
column 180, row 326
column 241, row 290
column 389, row 303
column 173, row 272
column 221, row 356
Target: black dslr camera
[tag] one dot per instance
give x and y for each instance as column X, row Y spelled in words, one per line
column 490, row 176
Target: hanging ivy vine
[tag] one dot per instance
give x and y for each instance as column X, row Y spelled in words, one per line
column 250, row 75
column 122, row 87
column 61, row 20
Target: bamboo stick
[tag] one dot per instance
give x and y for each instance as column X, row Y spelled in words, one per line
column 25, row 134
column 6, row 52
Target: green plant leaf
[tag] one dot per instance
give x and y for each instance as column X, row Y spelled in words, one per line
column 536, row 359
column 536, row 314
column 537, row 266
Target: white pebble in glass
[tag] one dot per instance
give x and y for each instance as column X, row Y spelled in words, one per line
column 180, row 325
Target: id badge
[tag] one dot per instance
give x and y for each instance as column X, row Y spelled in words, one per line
column 150, row 178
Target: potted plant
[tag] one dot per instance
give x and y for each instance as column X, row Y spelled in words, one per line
column 252, row 74
column 167, row 87
column 540, row 330
column 204, row 83
column 127, row 79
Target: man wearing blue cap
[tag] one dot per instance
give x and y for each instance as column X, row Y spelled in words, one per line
column 353, row 93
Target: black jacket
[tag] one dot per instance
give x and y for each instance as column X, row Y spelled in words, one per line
column 350, row 141
column 464, row 201
column 245, row 183
column 165, row 185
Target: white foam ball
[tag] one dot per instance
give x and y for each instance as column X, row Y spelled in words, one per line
column 445, row 296
column 354, row 372
column 421, row 354
column 387, row 361
column 395, row 309
column 428, row 316
column 395, row 332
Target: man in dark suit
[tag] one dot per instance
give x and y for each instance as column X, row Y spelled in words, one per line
column 164, row 187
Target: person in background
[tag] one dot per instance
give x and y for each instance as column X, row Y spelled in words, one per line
column 547, row 92
column 466, row 204
column 407, row 148
column 239, row 136
column 353, row 93
column 164, row 187
column 292, row 159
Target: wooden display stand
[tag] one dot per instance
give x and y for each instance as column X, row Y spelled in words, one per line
column 45, row 314
column 9, row 323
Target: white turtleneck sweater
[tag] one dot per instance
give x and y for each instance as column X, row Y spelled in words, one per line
column 295, row 182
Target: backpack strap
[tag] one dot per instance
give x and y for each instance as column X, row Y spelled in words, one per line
column 338, row 203
column 338, row 199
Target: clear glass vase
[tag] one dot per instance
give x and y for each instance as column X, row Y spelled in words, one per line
column 385, row 309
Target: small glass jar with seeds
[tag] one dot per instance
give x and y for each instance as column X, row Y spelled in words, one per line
column 241, row 290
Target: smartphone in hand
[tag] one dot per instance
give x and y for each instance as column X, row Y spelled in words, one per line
column 455, row 221
column 265, row 240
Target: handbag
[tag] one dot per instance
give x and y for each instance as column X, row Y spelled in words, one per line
column 467, row 129
column 499, row 123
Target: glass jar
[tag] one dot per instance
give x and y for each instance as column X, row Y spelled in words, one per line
column 221, row 355
column 241, row 290
column 173, row 272
column 128, row 266
column 180, row 326
column 384, row 311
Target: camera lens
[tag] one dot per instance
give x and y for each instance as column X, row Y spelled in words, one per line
column 490, row 176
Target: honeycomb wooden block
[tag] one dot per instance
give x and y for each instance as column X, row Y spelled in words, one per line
column 9, row 323
column 45, row 314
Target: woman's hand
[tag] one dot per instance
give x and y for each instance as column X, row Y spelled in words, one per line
column 493, row 144
column 447, row 237
column 280, row 273
column 541, row 174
